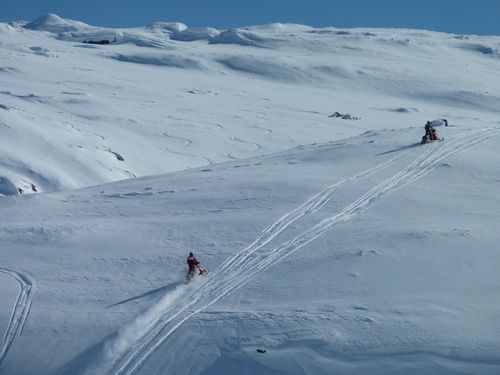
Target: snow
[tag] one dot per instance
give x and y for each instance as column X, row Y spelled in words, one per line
column 195, row 33
column 174, row 27
column 55, row 24
column 336, row 246
column 9, row 290
column 240, row 37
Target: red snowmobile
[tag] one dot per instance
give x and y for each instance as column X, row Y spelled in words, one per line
column 430, row 134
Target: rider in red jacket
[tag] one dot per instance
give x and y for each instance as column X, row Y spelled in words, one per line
column 193, row 264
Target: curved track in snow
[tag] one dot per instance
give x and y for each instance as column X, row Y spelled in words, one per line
column 243, row 266
column 255, row 146
column 204, row 158
column 21, row 309
column 264, row 130
column 186, row 142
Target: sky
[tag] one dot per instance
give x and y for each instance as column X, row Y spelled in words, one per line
column 453, row 16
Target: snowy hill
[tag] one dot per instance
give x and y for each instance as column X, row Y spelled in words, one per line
column 335, row 244
column 167, row 97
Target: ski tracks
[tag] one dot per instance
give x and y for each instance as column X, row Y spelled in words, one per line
column 186, row 142
column 21, row 309
column 243, row 266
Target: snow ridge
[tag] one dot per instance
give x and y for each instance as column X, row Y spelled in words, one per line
column 21, row 309
column 55, row 24
column 243, row 266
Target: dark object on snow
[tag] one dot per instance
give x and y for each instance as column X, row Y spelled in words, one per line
column 431, row 136
column 101, row 42
column 20, row 190
column 261, row 350
column 193, row 264
column 118, row 156
column 430, row 133
column 425, row 140
column 33, row 187
column 346, row 116
column 336, row 114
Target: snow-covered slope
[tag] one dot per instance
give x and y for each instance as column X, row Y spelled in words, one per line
column 168, row 97
column 336, row 245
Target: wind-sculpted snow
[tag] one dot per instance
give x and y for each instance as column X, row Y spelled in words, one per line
column 167, row 60
column 467, row 98
column 7, row 187
column 125, row 356
column 55, row 24
column 20, row 311
column 170, row 27
column 482, row 49
column 276, row 70
column 133, row 85
column 240, row 37
column 28, row 180
column 289, row 71
column 192, row 34
column 152, row 39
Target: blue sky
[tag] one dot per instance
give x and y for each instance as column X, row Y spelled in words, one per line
column 455, row 16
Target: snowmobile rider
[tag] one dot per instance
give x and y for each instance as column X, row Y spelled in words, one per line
column 430, row 132
column 193, row 264
column 428, row 128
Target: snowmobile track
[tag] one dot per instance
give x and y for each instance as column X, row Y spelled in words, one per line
column 21, row 309
column 240, row 268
